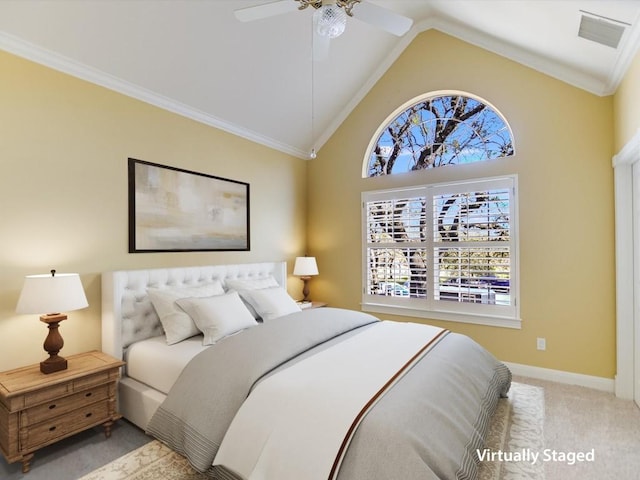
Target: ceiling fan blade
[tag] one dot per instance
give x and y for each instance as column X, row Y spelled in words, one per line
column 383, row 18
column 321, row 46
column 264, row 11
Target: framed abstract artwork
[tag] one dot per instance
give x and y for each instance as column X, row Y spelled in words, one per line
column 177, row 210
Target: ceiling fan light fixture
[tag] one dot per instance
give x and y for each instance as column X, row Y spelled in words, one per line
column 330, row 21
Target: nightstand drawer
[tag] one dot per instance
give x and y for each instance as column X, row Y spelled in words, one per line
column 81, row 419
column 62, row 405
column 54, row 392
column 46, row 394
column 95, row 379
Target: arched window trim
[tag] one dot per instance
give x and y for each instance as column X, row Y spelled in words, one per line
column 414, row 101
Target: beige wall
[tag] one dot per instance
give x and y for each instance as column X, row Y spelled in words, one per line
column 64, row 145
column 564, row 144
column 627, row 105
column 63, row 201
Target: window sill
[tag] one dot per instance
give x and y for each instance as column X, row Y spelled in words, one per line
column 493, row 321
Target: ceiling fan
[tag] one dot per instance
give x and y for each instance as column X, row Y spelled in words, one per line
column 330, row 17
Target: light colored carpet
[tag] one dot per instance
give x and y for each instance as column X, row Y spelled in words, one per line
column 517, row 426
column 579, row 419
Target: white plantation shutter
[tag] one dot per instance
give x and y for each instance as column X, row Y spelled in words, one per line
column 396, row 253
column 443, row 251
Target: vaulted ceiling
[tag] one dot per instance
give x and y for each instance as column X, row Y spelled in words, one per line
column 254, row 79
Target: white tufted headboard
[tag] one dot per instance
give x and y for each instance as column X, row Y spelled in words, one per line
column 127, row 313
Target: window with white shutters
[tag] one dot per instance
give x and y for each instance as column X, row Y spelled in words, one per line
column 444, row 251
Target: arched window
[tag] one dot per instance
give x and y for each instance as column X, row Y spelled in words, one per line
column 435, row 130
column 447, row 250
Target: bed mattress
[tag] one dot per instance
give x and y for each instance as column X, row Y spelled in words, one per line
column 157, row 364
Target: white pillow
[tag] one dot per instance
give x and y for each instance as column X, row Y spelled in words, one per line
column 218, row 316
column 251, row 283
column 271, row 303
column 176, row 323
column 242, row 284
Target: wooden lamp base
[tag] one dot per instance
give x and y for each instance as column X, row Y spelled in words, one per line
column 305, row 289
column 53, row 344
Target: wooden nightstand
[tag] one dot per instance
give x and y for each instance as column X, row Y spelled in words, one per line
column 37, row 409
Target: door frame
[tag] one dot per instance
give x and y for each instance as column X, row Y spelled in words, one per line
column 627, row 380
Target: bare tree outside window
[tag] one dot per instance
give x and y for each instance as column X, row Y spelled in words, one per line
column 440, row 131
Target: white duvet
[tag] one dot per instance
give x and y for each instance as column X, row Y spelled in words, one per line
column 297, row 423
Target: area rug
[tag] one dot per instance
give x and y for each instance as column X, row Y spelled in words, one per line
column 516, row 428
column 515, row 443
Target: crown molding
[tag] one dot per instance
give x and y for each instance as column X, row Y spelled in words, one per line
column 632, row 46
column 68, row 66
column 556, row 70
column 529, row 59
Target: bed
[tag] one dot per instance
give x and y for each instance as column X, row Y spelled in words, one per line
column 256, row 387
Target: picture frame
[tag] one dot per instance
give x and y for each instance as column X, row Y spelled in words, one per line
column 176, row 210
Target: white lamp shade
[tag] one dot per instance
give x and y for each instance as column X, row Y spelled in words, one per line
column 57, row 293
column 305, row 267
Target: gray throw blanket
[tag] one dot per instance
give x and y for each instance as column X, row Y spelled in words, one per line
column 427, row 427
column 203, row 401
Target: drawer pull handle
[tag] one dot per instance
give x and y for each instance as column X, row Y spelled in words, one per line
column 88, row 415
column 51, row 407
column 88, row 394
column 51, row 429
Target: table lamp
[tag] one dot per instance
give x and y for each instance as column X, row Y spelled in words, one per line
column 52, row 293
column 305, row 268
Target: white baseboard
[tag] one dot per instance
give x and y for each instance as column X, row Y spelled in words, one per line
column 597, row 383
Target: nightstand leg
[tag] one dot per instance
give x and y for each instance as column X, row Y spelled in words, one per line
column 107, row 428
column 26, row 465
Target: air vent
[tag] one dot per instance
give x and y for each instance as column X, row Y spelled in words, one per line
column 601, row 29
